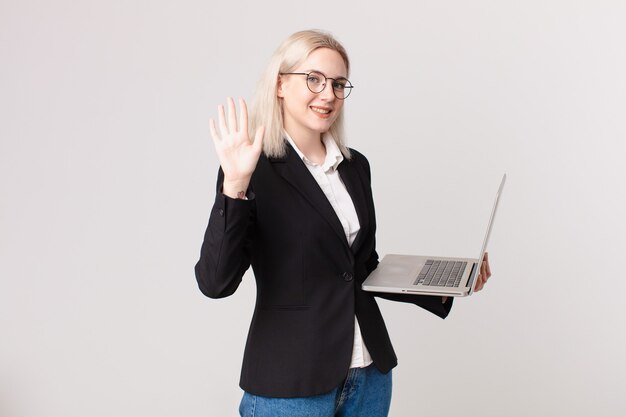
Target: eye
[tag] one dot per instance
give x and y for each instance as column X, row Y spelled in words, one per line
column 340, row 84
column 314, row 78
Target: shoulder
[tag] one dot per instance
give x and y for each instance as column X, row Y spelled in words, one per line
column 358, row 157
column 360, row 160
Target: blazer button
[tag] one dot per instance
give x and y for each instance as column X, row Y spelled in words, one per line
column 347, row 276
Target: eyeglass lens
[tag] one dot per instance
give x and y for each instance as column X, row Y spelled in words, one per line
column 317, row 82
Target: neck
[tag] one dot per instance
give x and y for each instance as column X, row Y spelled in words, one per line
column 310, row 144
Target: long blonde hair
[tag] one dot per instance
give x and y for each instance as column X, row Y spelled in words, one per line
column 267, row 111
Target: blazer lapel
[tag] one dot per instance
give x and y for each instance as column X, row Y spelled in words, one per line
column 293, row 170
column 355, row 186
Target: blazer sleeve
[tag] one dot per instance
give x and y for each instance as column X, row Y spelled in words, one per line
column 226, row 250
column 428, row 302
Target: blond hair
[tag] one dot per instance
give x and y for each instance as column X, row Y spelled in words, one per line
column 267, row 109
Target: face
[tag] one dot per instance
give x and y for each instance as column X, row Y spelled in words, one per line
column 305, row 113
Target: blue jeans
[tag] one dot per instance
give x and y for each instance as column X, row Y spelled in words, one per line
column 364, row 393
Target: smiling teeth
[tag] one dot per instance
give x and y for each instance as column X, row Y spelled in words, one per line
column 318, row 110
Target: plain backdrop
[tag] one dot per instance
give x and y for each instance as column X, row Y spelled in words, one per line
column 107, row 176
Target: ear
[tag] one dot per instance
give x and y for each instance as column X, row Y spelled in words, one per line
column 279, row 87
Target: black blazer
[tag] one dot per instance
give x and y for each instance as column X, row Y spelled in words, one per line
column 308, row 278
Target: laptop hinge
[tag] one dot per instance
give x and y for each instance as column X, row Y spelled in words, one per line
column 472, row 276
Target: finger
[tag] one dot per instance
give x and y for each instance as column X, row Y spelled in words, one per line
column 213, row 130
column 258, row 138
column 483, row 281
column 479, row 283
column 232, row 115
column 243, row 109
column 222, row 120
column 483, row 271
column 485, row 265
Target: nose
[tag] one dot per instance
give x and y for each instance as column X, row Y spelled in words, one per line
column 327, row 93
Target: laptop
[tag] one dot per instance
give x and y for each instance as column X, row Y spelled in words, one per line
column 430, row 275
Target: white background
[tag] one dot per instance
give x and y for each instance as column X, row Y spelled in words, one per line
column 107, row 175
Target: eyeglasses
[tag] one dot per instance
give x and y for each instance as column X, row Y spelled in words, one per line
column 316, row 82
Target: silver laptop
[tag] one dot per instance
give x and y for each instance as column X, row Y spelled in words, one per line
column 430, row 275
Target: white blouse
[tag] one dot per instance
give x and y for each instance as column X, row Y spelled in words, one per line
column 333, row 187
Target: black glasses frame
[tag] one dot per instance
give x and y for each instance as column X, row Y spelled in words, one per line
column 345, row 96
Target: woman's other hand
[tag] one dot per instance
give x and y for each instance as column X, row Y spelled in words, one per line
column 238, row 156
column 485, row 273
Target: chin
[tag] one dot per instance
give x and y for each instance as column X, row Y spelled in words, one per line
column 322, row 127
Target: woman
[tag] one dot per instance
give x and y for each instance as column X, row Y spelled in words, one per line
column 297, row 205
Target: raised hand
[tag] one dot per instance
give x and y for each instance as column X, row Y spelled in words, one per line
column 238, row 156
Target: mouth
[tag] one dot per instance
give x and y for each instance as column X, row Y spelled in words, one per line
column 323, row 112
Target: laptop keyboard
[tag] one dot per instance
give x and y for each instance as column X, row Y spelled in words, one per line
column 441, row 273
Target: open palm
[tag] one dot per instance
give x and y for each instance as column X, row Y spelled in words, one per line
column 238, row 155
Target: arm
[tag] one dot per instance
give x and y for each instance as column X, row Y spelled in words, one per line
column 432, row 303
column 226, row 249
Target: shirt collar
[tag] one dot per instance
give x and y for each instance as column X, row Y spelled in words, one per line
column 333, row 155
